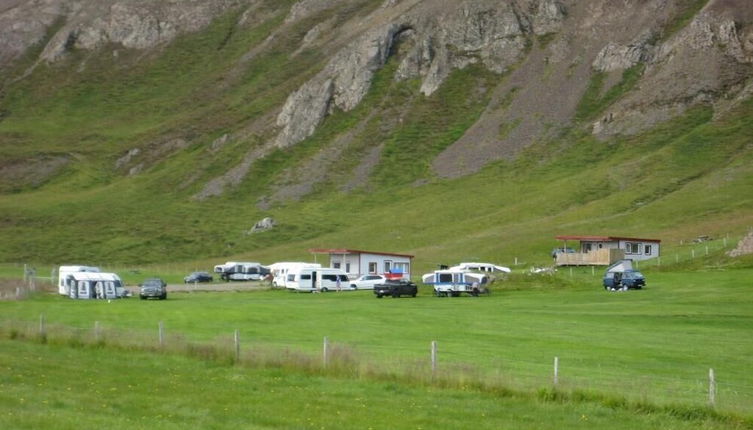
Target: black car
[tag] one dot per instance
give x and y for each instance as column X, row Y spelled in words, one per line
column 395, row 289
column 154, row 288
column 198, row 277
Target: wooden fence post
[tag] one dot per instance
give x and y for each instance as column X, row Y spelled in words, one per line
column 712, row 388
column 42, row 328
column 433, row 357
column 161, row 334
column 325, row 351
column 556, row 370
column 237, row 340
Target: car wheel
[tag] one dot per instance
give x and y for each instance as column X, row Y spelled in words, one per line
column 324, row 290
column 395, row 294
column 142, row 297
column 413, row 295
column 379, row 296
column 474, row 293
column 354, row 286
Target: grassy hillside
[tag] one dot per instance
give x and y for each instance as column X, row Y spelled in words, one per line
column 687, row 177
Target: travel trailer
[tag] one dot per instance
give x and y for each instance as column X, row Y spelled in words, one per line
column 241, row 271
column 317, row 279
column 453, row 282
column 281, row 270
column 94, row 285
column 64, row 271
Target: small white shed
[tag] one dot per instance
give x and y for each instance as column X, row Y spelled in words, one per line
column 357, row 262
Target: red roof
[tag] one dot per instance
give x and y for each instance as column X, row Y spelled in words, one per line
column 353, row 251
column 605, row 238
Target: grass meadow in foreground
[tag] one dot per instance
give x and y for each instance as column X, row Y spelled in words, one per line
column 59, row 387
column 654, row 345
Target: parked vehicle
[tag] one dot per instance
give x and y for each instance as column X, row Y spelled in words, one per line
column 395, row 289
column 318, row 279
column 367, row 282
column 241, row 271
column 622, row 276
column 198, row 277
column 281, row 270
column 453, row 282
column 154, row 288
column 556, row 251
column 94, row 285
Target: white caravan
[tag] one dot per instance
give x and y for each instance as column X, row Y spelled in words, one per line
column 481, row 267
column 94, row 285
column 453, row 282
column 64, row 271
column 317, row 279
column 281, row 270
column 241, row 271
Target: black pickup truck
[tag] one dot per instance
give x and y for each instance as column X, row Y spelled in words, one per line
column 395, row 289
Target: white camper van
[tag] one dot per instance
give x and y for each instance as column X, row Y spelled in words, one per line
column 241, row 271
column 94, row 285
column 281, row 270
column 318, row 279
column 64, row 271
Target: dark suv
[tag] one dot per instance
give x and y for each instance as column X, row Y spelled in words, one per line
column 154, row 288
column 395, row 289
column 624, row 280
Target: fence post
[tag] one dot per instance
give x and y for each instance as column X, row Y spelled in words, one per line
column 516, row 261
column 237, row 340
column 712, row 388
column 325, row 351
column 707, row 250
column 556, row 370
column 677, row 258
column 571, row 271
column 692, row 253
column 161, row 334
column 96, row 331
column 433, row 357
column 42, row 329
column 593, row 271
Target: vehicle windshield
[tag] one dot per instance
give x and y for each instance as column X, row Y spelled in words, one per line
column 636, row 274
column 152, row 283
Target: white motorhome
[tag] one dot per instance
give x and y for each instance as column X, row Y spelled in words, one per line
column 281, row 270
column 481, row 267
column 241, row 271
column 453, row 282
column 64, row 271
column 317, row 279
column 94, row 285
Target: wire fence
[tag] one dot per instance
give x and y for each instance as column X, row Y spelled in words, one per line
column 703, row 388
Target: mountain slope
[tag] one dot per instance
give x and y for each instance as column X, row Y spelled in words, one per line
column 473, row 130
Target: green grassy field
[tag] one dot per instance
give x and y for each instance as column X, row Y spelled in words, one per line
column 652, row 347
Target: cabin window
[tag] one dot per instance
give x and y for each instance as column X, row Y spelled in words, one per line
column 387, row 266
column 372, row 267
column 336, row 265
column 291, row 277
column 632, row 248
column 332, row 278
column 400, row 267
column 587, row 247
column 347, row 267
column 647, row 249
column 305, row 277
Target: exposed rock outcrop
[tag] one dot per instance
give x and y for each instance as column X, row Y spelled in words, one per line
column 90, row 24
column 744, row 247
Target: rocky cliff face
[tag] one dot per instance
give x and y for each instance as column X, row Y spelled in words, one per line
column 545, row 52
column 89, row 24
